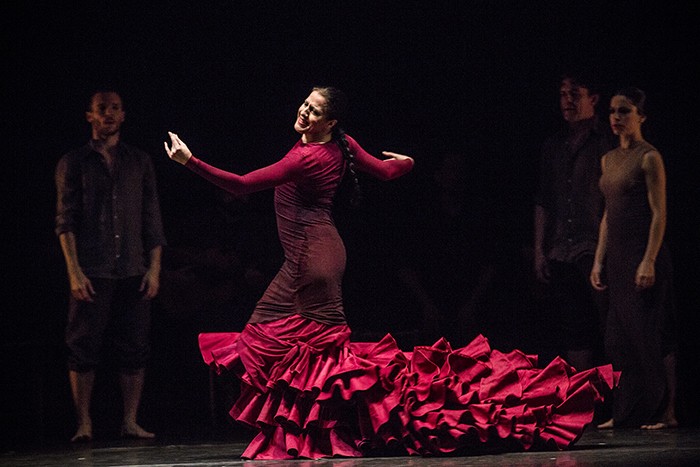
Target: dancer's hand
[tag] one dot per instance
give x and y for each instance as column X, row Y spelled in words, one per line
column 179, row 152
column 150, row 284
column 646, row 275
column 596, row 278
column 80, row 286
column 398, row 157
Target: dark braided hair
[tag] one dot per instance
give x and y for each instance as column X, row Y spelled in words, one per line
column 336, row 109
column 341, row 140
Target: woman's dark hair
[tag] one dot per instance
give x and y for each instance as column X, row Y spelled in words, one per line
column 636, row 96
column 336, row 109
column 336, row 102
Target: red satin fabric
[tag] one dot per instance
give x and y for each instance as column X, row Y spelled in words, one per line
column 312, row 393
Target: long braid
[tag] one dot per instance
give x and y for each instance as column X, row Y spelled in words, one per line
column 336, row 109
column 342, row 142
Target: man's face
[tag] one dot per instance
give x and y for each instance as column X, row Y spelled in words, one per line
column 106, row 114
column 575, row 102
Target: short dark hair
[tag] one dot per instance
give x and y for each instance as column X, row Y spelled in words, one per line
column 584, row 78
column 102, row 90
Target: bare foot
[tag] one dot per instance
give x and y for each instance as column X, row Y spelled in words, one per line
column 83, row 434
column 607, row 425
column 133, row 430
column 673, row 423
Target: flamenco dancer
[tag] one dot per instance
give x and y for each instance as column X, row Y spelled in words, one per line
column 311, row 393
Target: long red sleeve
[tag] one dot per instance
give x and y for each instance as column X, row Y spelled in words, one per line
column 386, row 169
column 298, row 163
column 283, row 171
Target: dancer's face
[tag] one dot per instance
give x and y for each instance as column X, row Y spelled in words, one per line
column 625, row 118
column 106, row 114
column 575, row 102
column 312, row 122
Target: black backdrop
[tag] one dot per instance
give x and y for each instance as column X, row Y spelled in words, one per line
column 423, row 78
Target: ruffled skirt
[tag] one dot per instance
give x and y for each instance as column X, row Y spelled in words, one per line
column 311, row 393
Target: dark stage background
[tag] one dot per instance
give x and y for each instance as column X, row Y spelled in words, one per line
column 426, row 78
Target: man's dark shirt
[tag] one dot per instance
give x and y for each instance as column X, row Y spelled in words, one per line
column 115, row 216
column 569, row 191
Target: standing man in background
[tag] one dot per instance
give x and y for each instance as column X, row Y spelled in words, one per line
column 568, row 210
column 109, row 225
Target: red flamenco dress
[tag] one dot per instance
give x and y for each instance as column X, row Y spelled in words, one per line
column 311, row 393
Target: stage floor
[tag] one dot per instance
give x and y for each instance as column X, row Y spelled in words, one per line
column 676, row 447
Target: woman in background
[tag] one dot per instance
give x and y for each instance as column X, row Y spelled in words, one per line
column 640, row 336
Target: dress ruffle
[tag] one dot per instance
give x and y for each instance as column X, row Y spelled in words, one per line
column 312, row 393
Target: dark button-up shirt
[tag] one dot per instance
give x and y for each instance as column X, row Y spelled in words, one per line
column 569, row 192
column 114, row 214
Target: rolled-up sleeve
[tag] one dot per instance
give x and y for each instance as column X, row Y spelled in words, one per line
column 68, row 195
column 153, row 234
